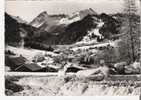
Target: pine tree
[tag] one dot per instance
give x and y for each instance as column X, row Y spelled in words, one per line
column 130, row 12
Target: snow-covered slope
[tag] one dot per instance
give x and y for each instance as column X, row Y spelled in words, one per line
column 92, row 34
column 76, row 16
column 28, row 53
column 98, row 45
column 68, row 20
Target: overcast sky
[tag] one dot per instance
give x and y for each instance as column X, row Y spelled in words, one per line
column 29, row 9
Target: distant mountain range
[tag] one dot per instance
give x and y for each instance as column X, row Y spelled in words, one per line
column 46, row 22
column 51, row 23
column 61, row 29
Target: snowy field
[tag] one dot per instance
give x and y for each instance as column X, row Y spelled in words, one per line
column 72, row 86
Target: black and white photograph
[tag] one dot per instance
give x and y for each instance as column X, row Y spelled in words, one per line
column 72, row 48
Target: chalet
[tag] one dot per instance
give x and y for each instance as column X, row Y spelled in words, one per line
column 19, row 64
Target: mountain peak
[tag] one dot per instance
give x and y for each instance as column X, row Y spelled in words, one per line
column 85, row 12
column 92, row 11
column 44, row 13
column 18, row 19
column 39, row 20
